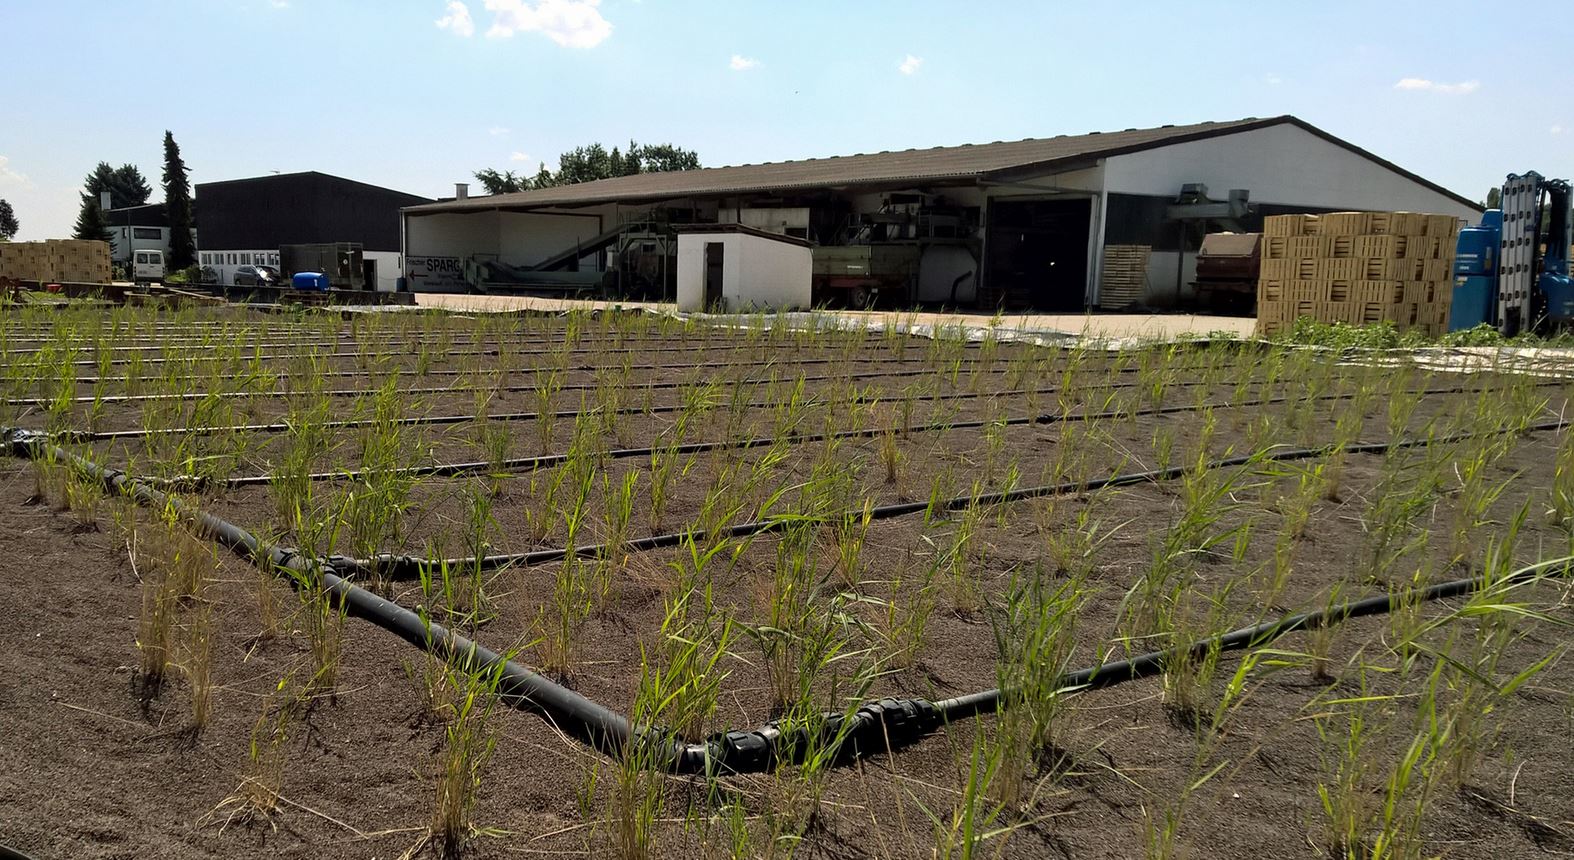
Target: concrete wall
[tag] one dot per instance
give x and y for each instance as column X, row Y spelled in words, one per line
column 757, row 273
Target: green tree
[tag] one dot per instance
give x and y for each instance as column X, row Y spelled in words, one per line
column 1494, row 198
column 90, row 221
column 177, row 202
column 505, row 182
column 8, row 222
column 593, row 162
column 125, row 184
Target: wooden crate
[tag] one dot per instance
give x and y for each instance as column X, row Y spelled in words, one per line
column 1379, row 247
column 1346, row 223
column 1442, row 226
column 1306, row 248
column 1347, row 268
column 1277, row 311
column 1290, row 225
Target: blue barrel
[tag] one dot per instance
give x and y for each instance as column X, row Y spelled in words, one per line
column 309, row 281
column 1474, row 296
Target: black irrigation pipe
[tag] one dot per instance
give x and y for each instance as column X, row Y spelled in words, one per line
column 548, row 347
column 883, row 726
column 543, row 461
column 513, row 389
column 638, row 343
column 402, row 567
column 467, row 418
column 875, row 358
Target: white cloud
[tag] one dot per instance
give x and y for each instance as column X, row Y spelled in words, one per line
column 1555, row 129
column 498, row 131
column 11, row 177
column 279, row 4
column 519, row 156
column 570, row 23
column 1423, row 85
column 458, row 19
column 740, row 63
column 909, row 65
column 1272, row 80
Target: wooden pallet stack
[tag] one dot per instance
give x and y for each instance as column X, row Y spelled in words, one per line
column 79, row 261
column 84, row 261
column 1357, row 268
column 1124, row 281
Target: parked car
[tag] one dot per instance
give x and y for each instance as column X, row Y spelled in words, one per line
column 258, row 276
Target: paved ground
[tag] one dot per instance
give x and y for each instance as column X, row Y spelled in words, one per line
column 1093, row 325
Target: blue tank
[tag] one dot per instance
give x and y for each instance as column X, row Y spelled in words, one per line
column 1475, row 273
column 309, row 281
column 1475, row 253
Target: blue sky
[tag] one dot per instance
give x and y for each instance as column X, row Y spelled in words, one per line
column 417, row 94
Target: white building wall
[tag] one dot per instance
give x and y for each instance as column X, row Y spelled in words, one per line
column 435, row 246
column 757, row 273
column 1279, row 164
column 226, row 262
column 122, row 242
column 527, row 238
column 388, row 269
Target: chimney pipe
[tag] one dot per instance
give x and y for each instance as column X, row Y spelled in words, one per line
column 461, row 190
column 103, row 200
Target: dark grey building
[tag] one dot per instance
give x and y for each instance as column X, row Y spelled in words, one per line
column 244, row 221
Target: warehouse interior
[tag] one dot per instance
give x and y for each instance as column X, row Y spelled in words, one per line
column 1107, row 220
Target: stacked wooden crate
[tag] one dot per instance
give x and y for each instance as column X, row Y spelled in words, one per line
column 1125, row 276
column 24, row 261
column 79, row 261
column 58, row 260
column 1357, row 268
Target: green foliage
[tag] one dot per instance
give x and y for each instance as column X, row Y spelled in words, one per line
column 8, row 223
column 91, row 223
column 1341, row 335
column 125, row 184
column 589, row 163
column 177, row 201
column 189, row 275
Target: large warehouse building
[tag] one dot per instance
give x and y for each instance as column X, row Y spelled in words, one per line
column 1017, row 224
column 245, row 221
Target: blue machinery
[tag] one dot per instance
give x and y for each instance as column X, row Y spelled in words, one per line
column 1502, row 273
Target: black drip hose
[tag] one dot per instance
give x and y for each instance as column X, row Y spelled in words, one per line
column 882, row 726
column 389, row 566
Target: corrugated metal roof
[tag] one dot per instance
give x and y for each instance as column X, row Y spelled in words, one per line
column 938, row 165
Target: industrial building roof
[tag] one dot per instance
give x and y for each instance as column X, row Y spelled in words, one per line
column 939, row 165
column 298, row 208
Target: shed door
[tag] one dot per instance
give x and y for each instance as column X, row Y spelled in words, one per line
column 713, row 259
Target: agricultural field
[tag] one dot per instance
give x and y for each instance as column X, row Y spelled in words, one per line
column 626, row 585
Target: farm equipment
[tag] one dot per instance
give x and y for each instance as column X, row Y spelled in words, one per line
column 640, row 263
column 1228, row 265
column 1512, row 270
column 880, row 253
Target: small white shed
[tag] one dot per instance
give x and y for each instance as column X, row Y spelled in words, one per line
column 741, row 268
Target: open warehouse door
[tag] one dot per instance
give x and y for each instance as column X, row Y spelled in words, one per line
column 1036, row 254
